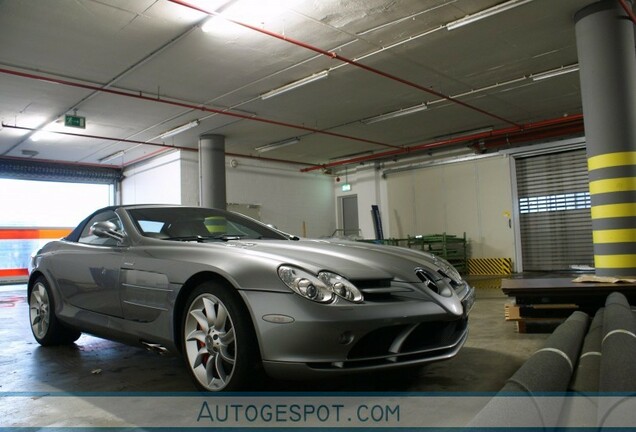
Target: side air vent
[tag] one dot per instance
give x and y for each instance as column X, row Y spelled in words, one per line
column 453, row 280
column 379, row 290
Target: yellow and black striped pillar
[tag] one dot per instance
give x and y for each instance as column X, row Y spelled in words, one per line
column 605, row 44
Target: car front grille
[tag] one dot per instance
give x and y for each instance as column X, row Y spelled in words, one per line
column 380, row 290
column 404, row 344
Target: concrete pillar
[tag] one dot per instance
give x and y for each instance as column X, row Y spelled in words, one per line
column 212, row 171
column 605, row 44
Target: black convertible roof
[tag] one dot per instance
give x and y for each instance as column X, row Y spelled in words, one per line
column 75, row 234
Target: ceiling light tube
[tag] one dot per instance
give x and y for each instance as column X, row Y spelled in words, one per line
column 43, row 135
column 394, row 114
column 502, row 7
column 555, row 72
column 351, row 155
column 179, row 129
column 277, row 145
column 110, row 157
column 295, row 84
column 465, row 133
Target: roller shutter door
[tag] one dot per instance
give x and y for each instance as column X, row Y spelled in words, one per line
column 554, row 210
column 38, row 170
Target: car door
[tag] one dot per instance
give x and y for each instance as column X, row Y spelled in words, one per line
column 146, row 291
column 88, row 272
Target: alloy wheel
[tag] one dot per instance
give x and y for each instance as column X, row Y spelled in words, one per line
column 39, row 310
column 210, row 342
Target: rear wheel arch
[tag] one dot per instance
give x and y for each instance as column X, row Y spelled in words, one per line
column 32, row 278
column 45, row 326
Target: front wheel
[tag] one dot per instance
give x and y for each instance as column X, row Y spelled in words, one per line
column 46, row 328
column 219, row 343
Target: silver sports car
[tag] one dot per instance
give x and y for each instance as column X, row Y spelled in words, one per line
column 236, row 297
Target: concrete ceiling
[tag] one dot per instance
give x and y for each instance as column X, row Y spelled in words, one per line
column 138, row 68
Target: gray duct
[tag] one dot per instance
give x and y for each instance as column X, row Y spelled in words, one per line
column 548, row 370
column 588, row 369
column 618, row 363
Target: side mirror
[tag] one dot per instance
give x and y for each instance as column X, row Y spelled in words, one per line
column 106, row 229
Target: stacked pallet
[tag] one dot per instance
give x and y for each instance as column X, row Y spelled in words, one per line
column 537, row 304
column 538, row 318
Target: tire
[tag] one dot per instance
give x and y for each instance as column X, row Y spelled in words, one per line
column 218, row 340
column 46, row 328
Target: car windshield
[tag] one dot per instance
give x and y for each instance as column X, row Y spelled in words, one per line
column 199, row 224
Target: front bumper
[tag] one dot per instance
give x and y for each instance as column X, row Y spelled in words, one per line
column 311, row 340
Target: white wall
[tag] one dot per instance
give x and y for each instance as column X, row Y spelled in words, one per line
column 473, row 197
column 157, row 181
column 291, row 200
column 295, row 202
column 470, row 196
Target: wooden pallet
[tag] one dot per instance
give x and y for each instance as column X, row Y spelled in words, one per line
column 538, row 325
column 538, row 318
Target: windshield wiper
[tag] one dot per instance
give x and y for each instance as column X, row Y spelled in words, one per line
column 228, row 237
column 196, row 238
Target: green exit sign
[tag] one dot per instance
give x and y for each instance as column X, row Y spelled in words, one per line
column 75, row 121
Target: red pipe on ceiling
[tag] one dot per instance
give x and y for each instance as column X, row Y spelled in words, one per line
column 382, row 155
column 144, row 157
column 520, row 134
column 352, row 62
column 556, row 131
column 103, row 138
column 165, row 147
column 187, row 105
column 244, row 156
column 85, row 164
column 629, row 10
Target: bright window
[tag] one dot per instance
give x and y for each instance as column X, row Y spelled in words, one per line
column 36, row 212
column 549, row 203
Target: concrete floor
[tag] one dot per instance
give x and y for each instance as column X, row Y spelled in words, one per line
column 493, row 352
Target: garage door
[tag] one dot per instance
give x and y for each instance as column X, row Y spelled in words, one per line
column 42, row 202
column 554, row 209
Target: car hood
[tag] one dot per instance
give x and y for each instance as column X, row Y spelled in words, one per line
column 353, row 260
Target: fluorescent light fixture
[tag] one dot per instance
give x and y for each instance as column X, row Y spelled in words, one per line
column 179, row 129
column 501, row 7
column 295, row 84
column 261, row 13
column 351, row 155
column 43, row 135
column 394, row 114
column 555, row 72
column 13, row 132
column 46, row 132
column 277, row 145
column 110, row 157
column 465, row 133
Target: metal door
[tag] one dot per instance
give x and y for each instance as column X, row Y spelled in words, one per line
column 350, row 223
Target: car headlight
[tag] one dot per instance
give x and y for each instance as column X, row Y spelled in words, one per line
column 321, row 288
